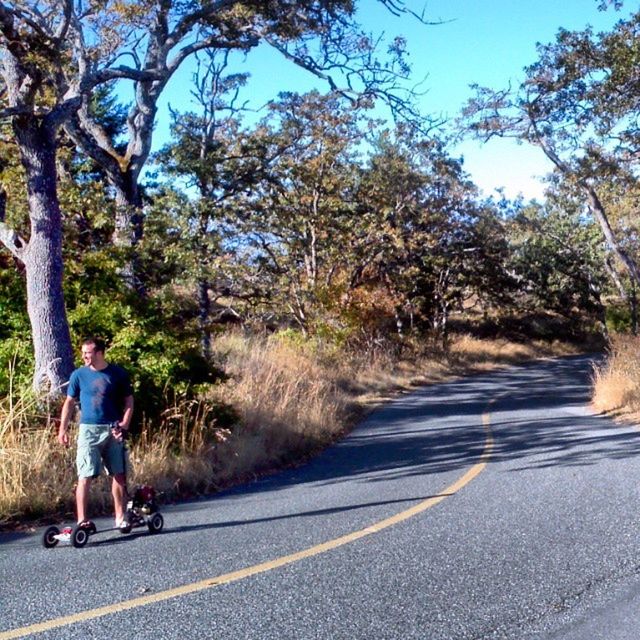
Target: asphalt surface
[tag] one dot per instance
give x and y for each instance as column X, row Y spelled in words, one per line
column 542, row 543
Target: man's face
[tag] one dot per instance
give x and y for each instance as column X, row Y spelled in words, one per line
column 89, row 354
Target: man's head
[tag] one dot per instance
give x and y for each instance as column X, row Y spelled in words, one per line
column 93, row 352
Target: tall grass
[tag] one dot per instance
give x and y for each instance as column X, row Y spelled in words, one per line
column 290, row 402
column 33, row 478
column 291, row 399
column 288, row 406
column 472, row 353
column 616, row 382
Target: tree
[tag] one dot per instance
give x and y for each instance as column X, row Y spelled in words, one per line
column 27, row 65
column 299, row 220
column 427, row 238
column 579, row 103
column 319, row 36
column 211, row 154
column 57, row 53
column 556, row 258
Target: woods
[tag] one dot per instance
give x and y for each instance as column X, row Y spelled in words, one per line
column 579, row 104
column 316, row 220
column 58, row 54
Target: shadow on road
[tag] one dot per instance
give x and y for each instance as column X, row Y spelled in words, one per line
column 297, row 514
column 539, row 418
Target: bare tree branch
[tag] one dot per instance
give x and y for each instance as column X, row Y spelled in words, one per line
column 9, row 238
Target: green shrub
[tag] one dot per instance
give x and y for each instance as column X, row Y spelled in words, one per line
column 164, row 367
column 618, row 318
column 16, row 351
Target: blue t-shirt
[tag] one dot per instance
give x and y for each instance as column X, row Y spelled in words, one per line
column 101, row 393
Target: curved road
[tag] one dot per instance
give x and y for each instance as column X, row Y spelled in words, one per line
column 497, row 506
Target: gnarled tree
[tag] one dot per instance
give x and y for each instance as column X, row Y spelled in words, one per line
column 57, row 53
column 579, row 103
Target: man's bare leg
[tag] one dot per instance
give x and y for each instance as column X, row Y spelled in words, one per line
column 82, row 497
column 119, row 494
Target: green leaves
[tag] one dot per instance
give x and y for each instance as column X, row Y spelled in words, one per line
column 579, row 103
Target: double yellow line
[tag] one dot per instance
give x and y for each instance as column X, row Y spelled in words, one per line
column 227, row 578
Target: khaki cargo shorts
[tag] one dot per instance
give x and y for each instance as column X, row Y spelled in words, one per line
column 96, row 446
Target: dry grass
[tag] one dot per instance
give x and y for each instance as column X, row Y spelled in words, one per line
column 290, row 404
column 380, row 379
column 30, row 466
column 476, row 354
column 179, row 456
column 291, row 399
column 616, row 383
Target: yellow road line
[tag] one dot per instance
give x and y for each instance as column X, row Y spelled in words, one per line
column 227, row 578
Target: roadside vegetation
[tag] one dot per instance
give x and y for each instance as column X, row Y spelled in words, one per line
column 616, row 386
column 267, row 276
column 282, row 401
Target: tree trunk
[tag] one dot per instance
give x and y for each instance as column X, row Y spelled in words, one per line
column 122, row 175
column 634, row 308
column 595, row 206
column 42, row 257
column 128, row 222
column 128, row 231
column 597, row 209
column 204, row 309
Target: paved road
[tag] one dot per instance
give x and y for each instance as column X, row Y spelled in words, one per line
column 540, row 542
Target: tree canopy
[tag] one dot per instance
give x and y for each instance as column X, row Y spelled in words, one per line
column 317, row 216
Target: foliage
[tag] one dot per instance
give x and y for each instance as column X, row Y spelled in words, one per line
column 299, row 222
column 428, row 240
column 61, row 59
column 619, row 318
column 579, row 104
column 556, row 258
column 164, row 362
column 296, row 221
column 15, row 337
column 151, row 338
column 314, row 217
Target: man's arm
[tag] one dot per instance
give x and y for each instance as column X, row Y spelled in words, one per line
column 128, row 413
column 65, row 417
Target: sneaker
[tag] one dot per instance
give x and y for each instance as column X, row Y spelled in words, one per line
column 88, row 525
column 64, row 536
column 124, row 525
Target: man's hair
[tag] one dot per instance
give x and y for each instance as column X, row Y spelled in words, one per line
column 97, row 342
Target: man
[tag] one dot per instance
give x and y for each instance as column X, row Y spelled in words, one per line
column 105, row 396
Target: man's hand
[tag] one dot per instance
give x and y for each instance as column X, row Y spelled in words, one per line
column 65, row 417
column 118, row 431
column 63, row 437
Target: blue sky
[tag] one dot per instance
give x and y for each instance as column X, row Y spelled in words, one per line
column 487, row 43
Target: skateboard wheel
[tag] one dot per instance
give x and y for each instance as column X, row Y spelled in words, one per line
column 155, row 523
column 48, row 539
column 79, row 537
